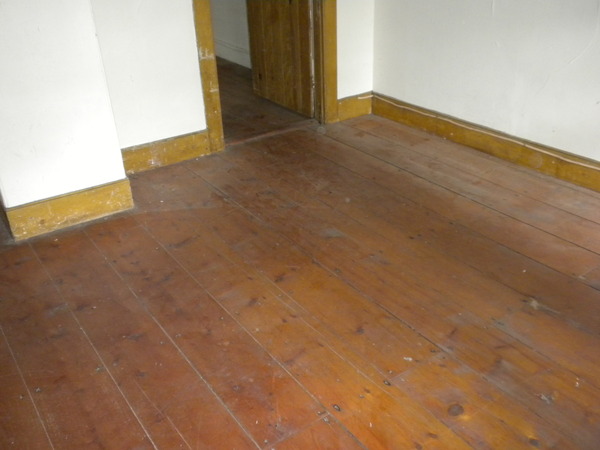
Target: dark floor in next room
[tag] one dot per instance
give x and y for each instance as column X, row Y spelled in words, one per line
column 246, row 115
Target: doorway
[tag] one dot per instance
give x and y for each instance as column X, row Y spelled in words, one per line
column 283, row 41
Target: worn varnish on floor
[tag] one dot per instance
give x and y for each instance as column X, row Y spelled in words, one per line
column 367, row 287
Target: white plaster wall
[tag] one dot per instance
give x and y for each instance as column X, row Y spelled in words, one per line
column 529, row 68
column 355, row 35
column 57, row 133
column 151, row 63
column 230, row 28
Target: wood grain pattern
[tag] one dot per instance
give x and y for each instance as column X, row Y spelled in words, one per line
column 79, row 403
column 362, row 285
column 282, row 53
column 357, row 276
column 137, row 351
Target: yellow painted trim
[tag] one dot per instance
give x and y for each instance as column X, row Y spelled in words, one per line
column 208, row 74
column 355, row 106
column 550, row 161
column 44, row 216
column 169, row 151
column 326, row 57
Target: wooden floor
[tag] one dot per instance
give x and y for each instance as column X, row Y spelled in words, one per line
column 369, row 286
column 245, row 115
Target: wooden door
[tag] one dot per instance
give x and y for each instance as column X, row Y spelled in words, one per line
column 281, row 51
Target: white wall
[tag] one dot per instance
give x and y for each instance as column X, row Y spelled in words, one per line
column 529, row 68
column 57, row 134
column 230, row 28
column 355, row 34
column 151, row 63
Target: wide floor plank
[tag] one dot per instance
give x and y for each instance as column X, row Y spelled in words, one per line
column 78, row 401
column 185, row 412
column 362, row 286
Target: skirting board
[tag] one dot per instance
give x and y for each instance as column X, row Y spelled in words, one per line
column 233, row 53
column 355, row 106
column 550, row 161
column 34, row 219
column 163, row 153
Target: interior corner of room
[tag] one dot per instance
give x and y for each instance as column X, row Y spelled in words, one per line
column 98, row 90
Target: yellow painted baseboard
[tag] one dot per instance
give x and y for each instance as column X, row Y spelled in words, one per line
column 355, row 106
column 550, row 161
column 166, row 152
column 34, row 219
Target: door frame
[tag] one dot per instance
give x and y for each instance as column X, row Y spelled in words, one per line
column 208, row 74
column 325, row 63
column 325, row 59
